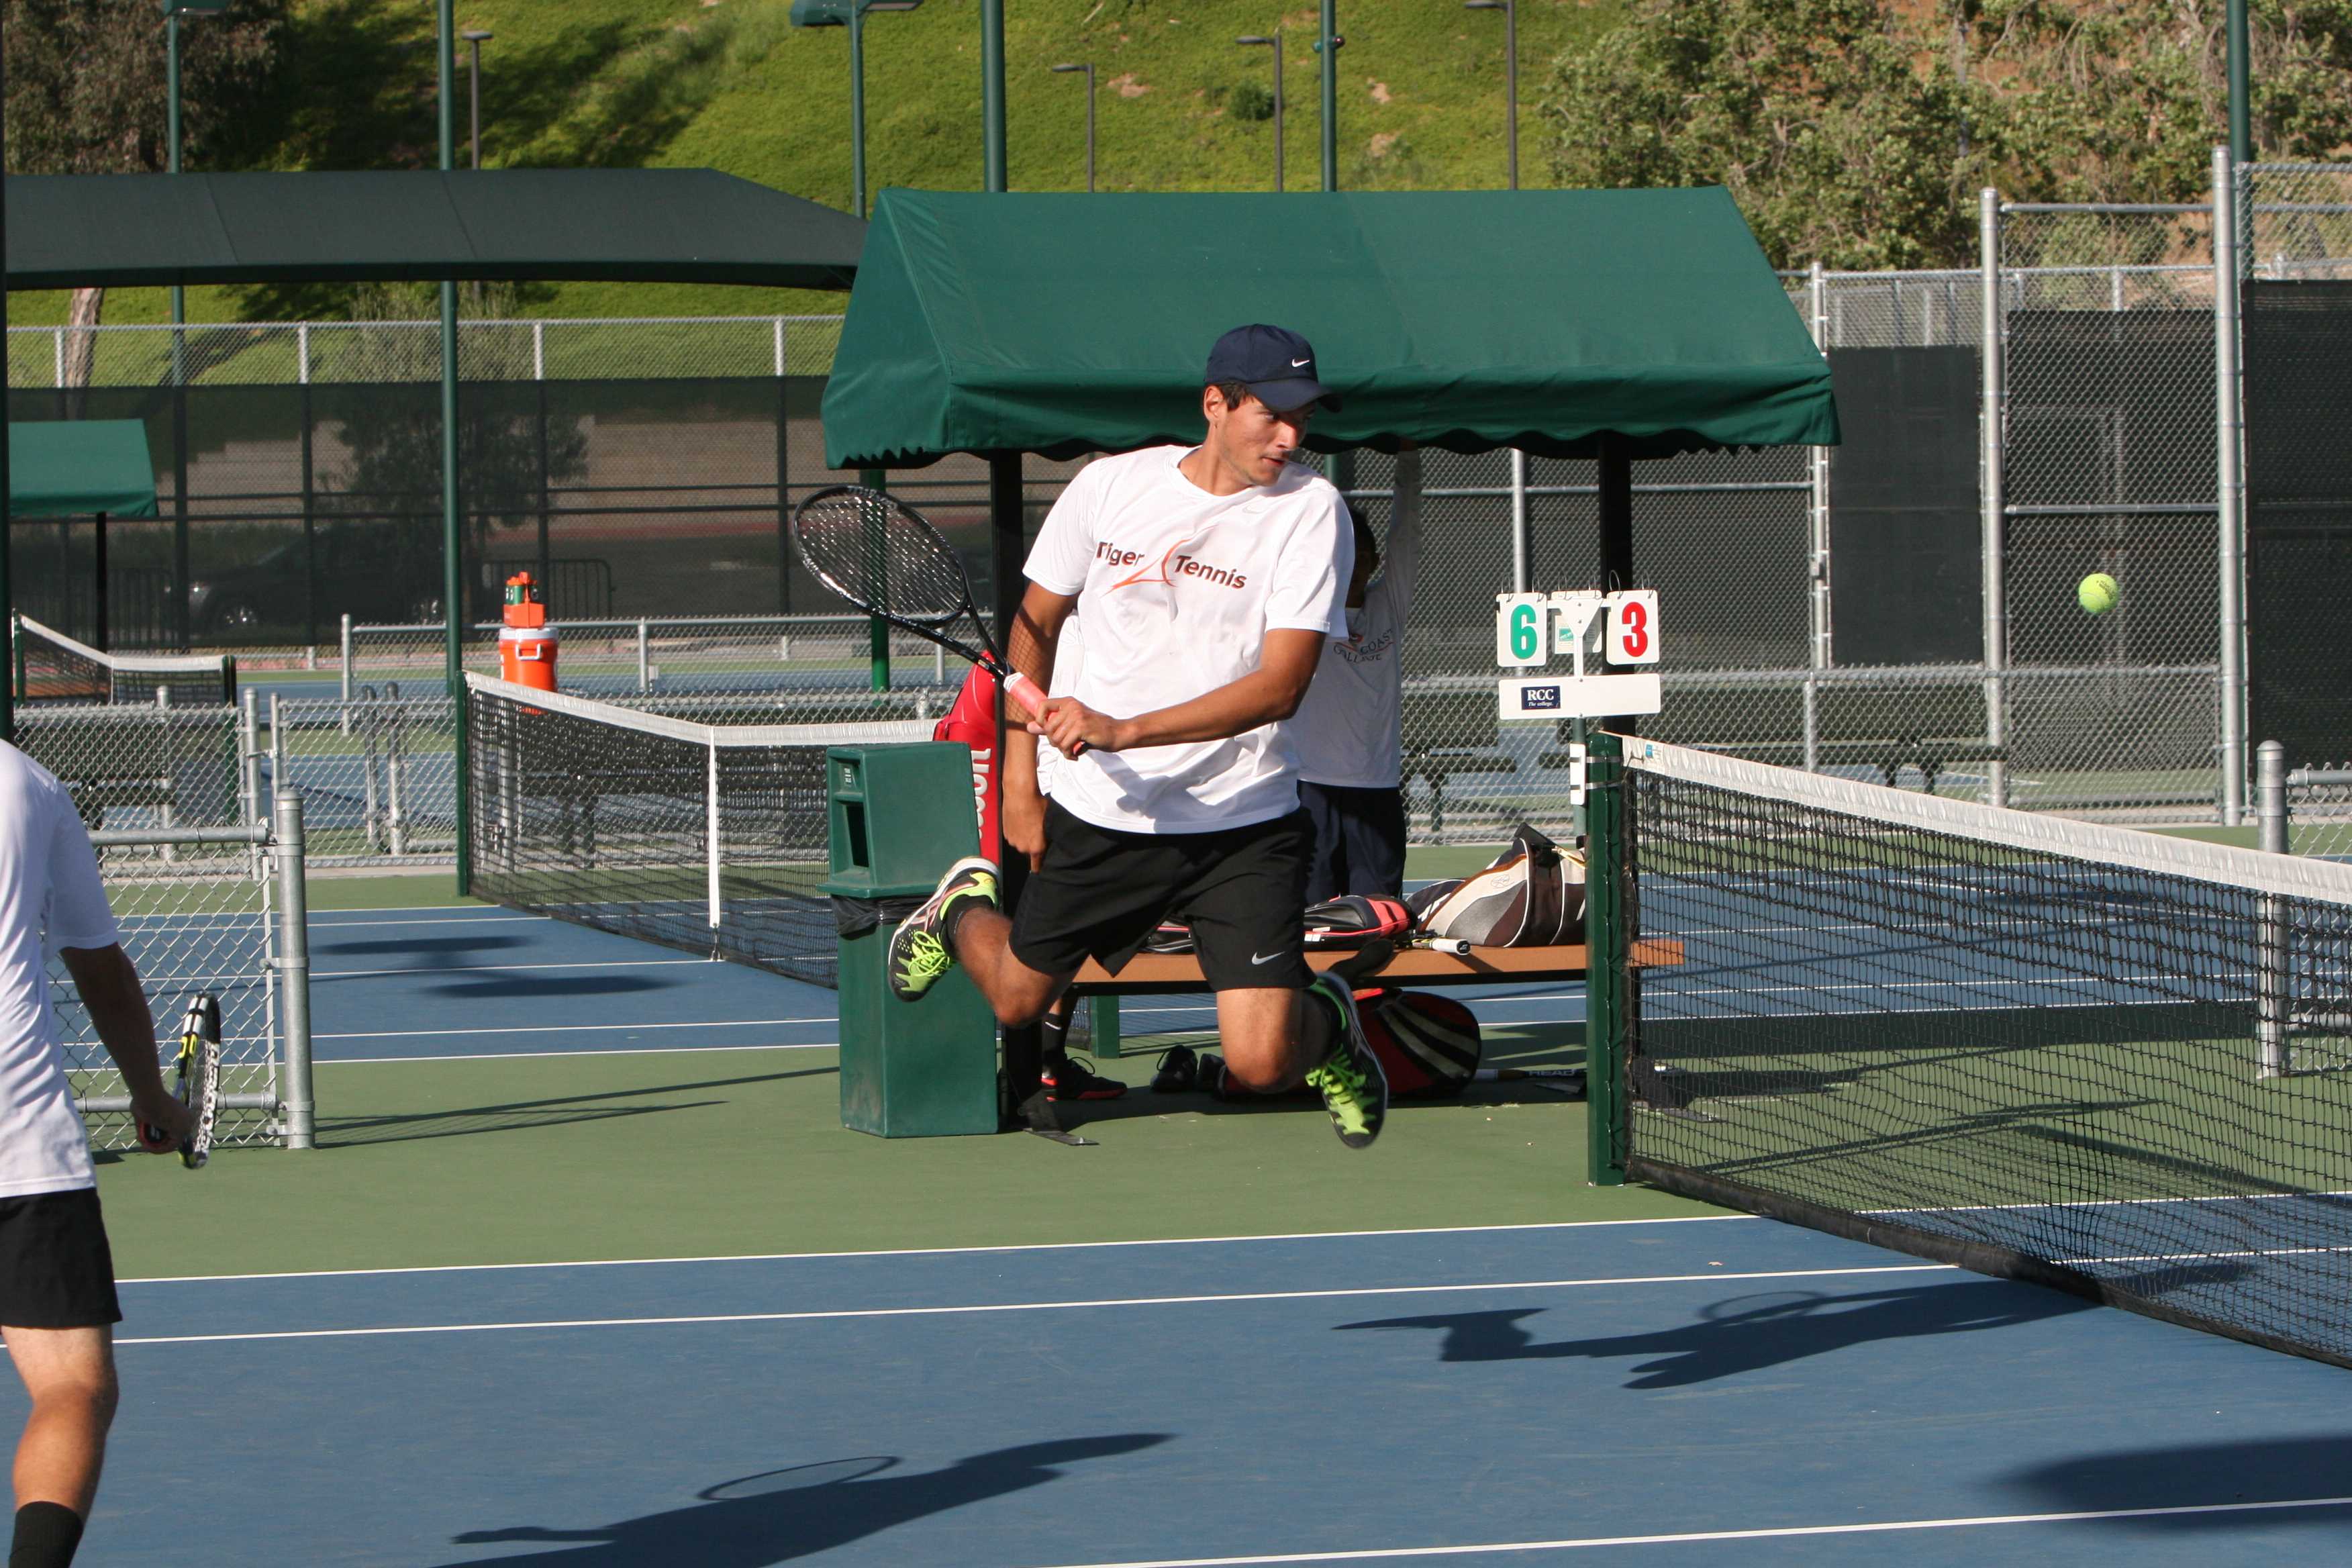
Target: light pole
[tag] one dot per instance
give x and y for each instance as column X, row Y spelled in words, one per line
column 1522, row 538
column 1275, row 43
column 1089, row 70
column 850, row 14
column 475, row 39
column 1510, row 10
column 172, row 10
column 1329, row 43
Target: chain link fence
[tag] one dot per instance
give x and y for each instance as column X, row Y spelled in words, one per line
column 204, row 911
column 644, row 469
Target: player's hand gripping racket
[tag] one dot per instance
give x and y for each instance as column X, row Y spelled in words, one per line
column 198, row 1084
column 888, row 560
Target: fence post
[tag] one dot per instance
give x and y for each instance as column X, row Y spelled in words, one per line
column 1817, row 289
column 1990, row 436
column 2229, row 483
column 294, row 969
column 346, row 675
column 644, row 659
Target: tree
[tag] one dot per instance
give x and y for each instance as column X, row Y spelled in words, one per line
column 86, row 95
column 390, row 482
column 1856, row 133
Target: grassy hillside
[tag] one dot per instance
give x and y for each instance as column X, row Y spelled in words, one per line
column 729, row 84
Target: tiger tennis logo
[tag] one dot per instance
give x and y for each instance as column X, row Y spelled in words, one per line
column 1167, row 569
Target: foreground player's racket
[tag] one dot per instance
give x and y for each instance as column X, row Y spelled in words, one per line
column 197, row 1068
column 888, row 560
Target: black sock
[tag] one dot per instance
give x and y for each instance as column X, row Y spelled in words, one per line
column 1054, row 1039
column 46, row 1534
column 1318, row 1028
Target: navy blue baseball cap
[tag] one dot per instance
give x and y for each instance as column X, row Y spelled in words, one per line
column 1275, row 364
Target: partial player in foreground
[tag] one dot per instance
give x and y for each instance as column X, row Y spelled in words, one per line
column 1208, row 579
column 58, row 1305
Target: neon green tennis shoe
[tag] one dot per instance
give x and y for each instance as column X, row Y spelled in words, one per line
column 1354, row 1088
column 918, row 949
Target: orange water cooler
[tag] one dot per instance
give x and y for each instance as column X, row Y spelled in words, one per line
column 527, row 643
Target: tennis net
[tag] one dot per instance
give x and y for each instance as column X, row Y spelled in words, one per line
column 2106, row 1061
column 708, row 837
column 50, row 667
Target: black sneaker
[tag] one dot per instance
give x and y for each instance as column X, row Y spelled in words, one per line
column 1074, row 1077
column 1354, row 1088
column 918, row 953
column 1212, row 1075
column 1179, row 1071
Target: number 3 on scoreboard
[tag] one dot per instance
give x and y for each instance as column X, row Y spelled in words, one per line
column 1633, row 626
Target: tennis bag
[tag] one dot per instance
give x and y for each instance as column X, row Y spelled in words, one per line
column 1428, row 1044
column 1355, row 919
column 972, row 721
column 1532, row 896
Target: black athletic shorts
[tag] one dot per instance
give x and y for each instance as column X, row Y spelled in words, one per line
column 1101, row 893
column 55, row 1269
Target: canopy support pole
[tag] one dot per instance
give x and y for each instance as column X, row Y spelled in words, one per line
column 1024, row 1047
column 1615, row 484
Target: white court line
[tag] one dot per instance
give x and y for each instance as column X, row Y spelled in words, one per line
column 556, row 1055
column 496, row 968
column 575, row 1029
column 1356, row 1293
column 958, row 1251
column 1783, row 1532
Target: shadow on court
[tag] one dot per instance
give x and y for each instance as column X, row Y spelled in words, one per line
column 524, row 1115
column 426, row 947
column 1746, row 1333
column 527, row 988
column 2195, row 1474
column 784, row 1514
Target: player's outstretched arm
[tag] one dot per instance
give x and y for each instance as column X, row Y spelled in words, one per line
column 1269, row 693
column 116, row 1005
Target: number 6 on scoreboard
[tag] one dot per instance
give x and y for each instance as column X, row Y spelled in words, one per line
column 1633, row 626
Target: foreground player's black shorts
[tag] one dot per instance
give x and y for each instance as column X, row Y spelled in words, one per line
column 55, row 1269
column 1101, row 893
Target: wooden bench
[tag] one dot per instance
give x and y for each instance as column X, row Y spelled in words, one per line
column 1179, row 974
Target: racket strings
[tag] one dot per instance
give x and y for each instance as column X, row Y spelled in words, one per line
column 875, row 553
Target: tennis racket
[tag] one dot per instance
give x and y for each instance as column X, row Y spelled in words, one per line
column 887, row 558
column 198, row 1068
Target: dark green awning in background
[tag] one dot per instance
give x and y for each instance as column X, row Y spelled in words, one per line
column 1467, row 320
column 73, row 468
column 69, row 231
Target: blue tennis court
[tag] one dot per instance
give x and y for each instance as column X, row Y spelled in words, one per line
column 1713, row 1390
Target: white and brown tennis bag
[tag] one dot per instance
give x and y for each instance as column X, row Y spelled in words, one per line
column 1532, row 896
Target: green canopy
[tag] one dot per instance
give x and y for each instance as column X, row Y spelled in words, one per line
column 72, row 231
column 73, row 468
column 1064, row 324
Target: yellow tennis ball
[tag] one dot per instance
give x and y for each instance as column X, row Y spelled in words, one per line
column 2097, row 593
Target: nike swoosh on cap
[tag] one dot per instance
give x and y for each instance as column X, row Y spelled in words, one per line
column 1296, row 362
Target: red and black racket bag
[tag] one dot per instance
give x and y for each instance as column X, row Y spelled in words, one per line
column 1429, row 1045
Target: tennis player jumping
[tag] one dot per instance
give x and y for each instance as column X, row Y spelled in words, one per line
column 1208, row 579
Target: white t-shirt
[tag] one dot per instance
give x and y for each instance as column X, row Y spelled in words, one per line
column 1178, row 589
column 50, row 898
column 1349, row 730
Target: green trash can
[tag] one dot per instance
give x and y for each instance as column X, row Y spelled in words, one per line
column 900, row 815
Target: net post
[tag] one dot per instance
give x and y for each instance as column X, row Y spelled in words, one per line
column 294, row 968
column 2269, row 917
column 710, row 809
column 1608, row 988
